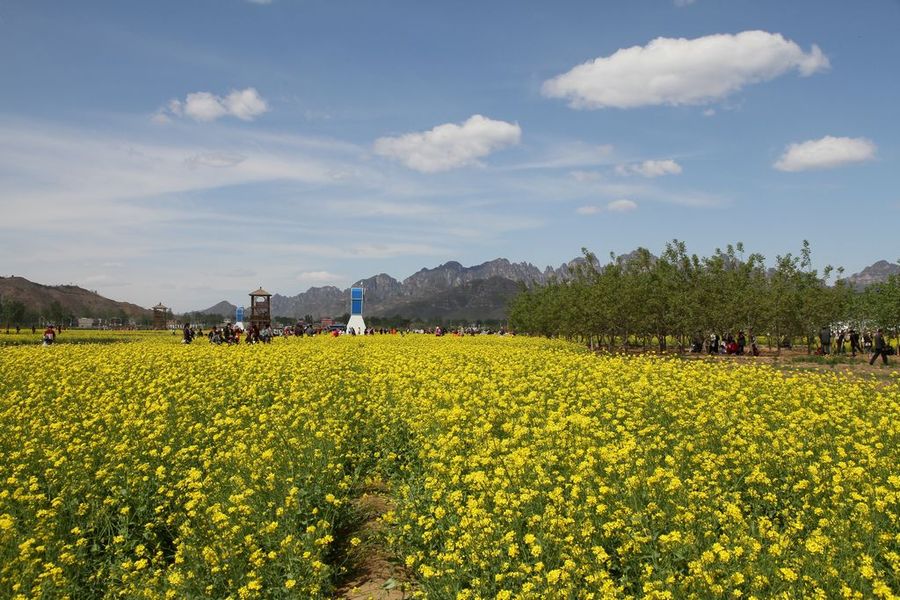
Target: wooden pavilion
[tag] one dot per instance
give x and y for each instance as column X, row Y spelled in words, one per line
column 260, row 308
column 160, row 316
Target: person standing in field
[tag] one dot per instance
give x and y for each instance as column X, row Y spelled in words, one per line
column 854, row 342
column 49, row 335
column 754, row 348
column 825, row 339
column 880, row 348
column 188, row 334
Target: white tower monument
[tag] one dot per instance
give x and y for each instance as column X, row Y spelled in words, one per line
column 356, row 324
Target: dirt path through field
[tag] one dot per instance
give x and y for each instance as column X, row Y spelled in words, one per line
column 374, row 575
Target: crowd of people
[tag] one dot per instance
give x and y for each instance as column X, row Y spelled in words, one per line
column 229, row 334
column 875, row 343
column 726, row 344
column 828, row 343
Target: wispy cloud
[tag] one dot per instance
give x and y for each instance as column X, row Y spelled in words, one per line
column 650, row 168
column 567, row 155
column 622, row 205
column 364, row 250
column 319, row 277
column 62, row 166
column 826, row 153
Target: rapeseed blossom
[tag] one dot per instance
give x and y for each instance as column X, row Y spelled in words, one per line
column 518, row 468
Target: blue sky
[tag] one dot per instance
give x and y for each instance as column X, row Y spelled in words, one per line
column 188, row 152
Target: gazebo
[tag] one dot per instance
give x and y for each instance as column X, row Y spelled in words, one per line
column 160, row 316
column 260, row 308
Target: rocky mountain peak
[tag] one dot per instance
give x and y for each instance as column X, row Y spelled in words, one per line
column 874, row 273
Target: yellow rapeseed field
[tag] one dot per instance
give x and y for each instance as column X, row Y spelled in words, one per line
column 519, row 468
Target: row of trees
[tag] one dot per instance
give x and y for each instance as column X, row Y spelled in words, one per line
column 15, row 313
column 683, row 297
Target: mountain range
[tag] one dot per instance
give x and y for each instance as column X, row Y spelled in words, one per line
column 448, row 291
column 452, row 291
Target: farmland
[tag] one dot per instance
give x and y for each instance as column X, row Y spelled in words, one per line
column 514, row 467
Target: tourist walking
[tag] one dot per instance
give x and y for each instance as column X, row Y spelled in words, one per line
column 854, row 342
column 880, row 348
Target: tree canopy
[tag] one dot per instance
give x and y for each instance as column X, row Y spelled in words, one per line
column 640, row 298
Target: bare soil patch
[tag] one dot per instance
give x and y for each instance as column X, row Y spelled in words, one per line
column 374, row 573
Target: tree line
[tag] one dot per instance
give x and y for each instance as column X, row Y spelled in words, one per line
column 679, row 297
column 15, row 313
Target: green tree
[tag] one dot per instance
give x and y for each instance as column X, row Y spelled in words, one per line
column 13, row 312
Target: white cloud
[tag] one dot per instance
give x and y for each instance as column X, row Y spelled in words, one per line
column 825, row 153
column 682, row 71
column 203, row 106
column 244, row 104
column 318, row 277
column 683, row 3
column 260, row 1
column 621, row 206
column 450, row 146
column 589, row 210
column 650, row 168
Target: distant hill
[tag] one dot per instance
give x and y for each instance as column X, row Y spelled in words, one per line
column 223, row 308
column 874, row 273
column 75, row 301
